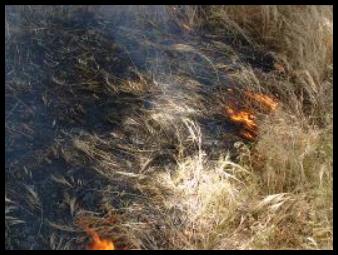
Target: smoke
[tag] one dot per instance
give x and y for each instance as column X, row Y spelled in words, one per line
column 155, row 38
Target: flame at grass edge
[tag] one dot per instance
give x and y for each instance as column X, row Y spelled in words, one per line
column 99, row 243
column 246, row 118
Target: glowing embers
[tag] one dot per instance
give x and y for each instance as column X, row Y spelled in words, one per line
column 99, row 243
column 245, row 117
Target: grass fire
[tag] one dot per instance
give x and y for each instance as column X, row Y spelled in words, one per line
column 246, row 118
column 98, row 243
column 184, row 127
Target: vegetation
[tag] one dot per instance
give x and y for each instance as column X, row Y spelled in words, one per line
column 181, row 127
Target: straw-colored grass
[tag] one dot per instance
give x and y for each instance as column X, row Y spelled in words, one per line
column 172, row 192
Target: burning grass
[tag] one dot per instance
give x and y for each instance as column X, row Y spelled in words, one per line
column 156, row 137
column 264, row 101
column 245, row 115
column 99, row 243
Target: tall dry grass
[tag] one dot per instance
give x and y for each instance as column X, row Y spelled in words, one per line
column 299, row 36
column 292, row 158
column 279, row 193
column 276, row 195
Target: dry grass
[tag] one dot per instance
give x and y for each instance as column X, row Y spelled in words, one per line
column 293, row 155
column 299, row 36
column 166, row 189
column 281, row 200
column 286, row 200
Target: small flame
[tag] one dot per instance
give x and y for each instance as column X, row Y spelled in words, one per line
column 98, row 243
column 265, row 100
column 242, row 117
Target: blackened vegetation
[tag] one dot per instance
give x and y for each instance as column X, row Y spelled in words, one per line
column 64, row 78
column 56, row 83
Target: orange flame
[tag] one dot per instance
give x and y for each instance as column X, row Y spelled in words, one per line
column 245, row 117
column 242, row 117
column 98, row 243
column 265, row 100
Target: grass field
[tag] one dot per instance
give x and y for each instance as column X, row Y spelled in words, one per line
column 169, row 127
